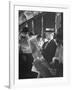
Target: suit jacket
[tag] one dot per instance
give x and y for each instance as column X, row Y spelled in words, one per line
column 49, row 51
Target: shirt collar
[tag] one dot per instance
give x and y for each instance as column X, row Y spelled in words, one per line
column 55, row 42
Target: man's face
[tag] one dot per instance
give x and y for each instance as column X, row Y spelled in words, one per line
column 48, row 35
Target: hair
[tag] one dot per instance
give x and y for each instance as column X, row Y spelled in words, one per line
column 25, row 30
column 38, row 37
column 31, row 33
column 54, row 36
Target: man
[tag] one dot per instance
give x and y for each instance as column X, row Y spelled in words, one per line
column 54, row 49
column 25, row 55
column 49, row 47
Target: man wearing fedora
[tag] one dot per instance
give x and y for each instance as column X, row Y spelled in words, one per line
column 49, row 46
column 49, row 50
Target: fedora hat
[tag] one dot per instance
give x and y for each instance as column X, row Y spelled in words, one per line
column 49, row 30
